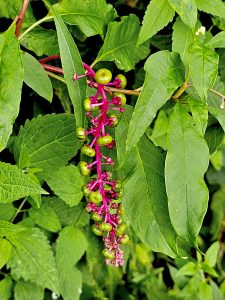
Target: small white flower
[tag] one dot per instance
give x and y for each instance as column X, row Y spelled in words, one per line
column 54, row 296
column 200, row 31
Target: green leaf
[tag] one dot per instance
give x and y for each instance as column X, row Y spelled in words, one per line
column 25, row 290
column 218, row 211
column 214, row 136
column 204, row 68
column 218, row 41
column 215, row 7
column 14, row 184
column 199, row 111
column 46, row 142
column 217, row 294
column 120, row 44
column 70, row 284
column 41, row 41
column 158, row 14
column 212, row 254
column 8, row 229
column 205, row 291
column 164, row 73
column 36, row 77
column 66, row 183
column 11, row 78
column 189, row 269
column 45, row 217
column 188, row 151
column 7, row 211
column 187, row 10
column 6, row 286
column 182, row 38
column 9, row 9
column 5, row 251
column 33, row 260
column 72, row 64
column 219, row 114
column 90, row 16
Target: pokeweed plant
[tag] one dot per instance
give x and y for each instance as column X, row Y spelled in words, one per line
column 136, row 158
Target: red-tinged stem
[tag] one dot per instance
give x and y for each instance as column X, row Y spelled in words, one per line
column 20, row 17
column 52, row 68
column 49, row 58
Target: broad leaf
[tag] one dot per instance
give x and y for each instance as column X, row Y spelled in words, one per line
column 6, row 286
column 33, row 260
column 5, row 251
column 219, row 114
column 7, row 211
column 72, row 64
column 70, row 284
column 158, row 14
column 11, row 78
column 46, row 142
column 66, row 184
column 214, row 136
column 25, row 290
column 164, row 73
column 187, row 10
column 120, row 44
column 211, row 254
column 218, row 41
column 8, row 229
column 36, row 77
column 14, row 184
column 186, row 162
column 204, row 68
column 182, row 38
column 215, row 7
column 199, row 111
column 90, row 16
column 9, row 9
column 218, row 211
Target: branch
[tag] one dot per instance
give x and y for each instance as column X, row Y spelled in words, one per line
column 20, row 17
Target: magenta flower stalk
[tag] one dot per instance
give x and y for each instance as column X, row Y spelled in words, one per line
column 102, row 192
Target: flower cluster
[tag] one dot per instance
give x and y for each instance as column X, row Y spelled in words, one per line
column 102, row 192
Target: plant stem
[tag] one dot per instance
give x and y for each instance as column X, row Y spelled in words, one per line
column 49, row 58
column 35, row 25
column 217, row 93
column 183, row 88
column 19, row 209
column 56, row 77
column 20, row 17
column 52, row 69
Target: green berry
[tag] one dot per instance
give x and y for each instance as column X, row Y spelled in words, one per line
column 96, row 230
column 123, row 80
column 83, row 167
column 124, row 240
column 87, row 104
column 113, row 119
column 104, row 140
column 103, row 76
column 120, row 229
column 95, row 197
column 121, row 96
column 117, row 188
column 88, row 151
column 108, row 254
column 86, row 191
column 96, row 217
column 80, row 133
column 105, row 227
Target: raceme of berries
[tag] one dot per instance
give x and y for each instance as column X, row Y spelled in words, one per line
column 102, row 192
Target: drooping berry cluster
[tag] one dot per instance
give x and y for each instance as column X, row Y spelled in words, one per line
column 102, row 192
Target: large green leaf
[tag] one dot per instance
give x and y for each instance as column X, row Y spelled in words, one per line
column 11, row 78
column 72, row 64
column 32, row 259
column 25, row 290
column 218, row 41
column 182, row 38
column 91, row 16
column 11, row 8
column 218, row 212
column 66, row 183
column 5, row 250
column 199, row 111
column 144, row 199
column 164, row 73
column 186, row 162
column 204, row 68
column 46, row 142
column 187, row 10
column 36, row 77
column 215, row 7
column 158, row 14
column 120, row 44
column 219, row 114
column 6, row 286
column 14, row 184
column 70, row 284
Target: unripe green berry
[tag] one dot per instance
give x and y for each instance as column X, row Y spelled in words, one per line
column 124, row 240
column 86, row 191
column 96, row 230
column 104, row 140
column 123, row 80
column 83, row 167
column 87, row 104
column 105, row 227
column 121, row 96
column 80, row 132
column 117, row 188
column 114, row 119
column 120, row 229
column 103, row 76
column 88, row 151
column 95, row 197
column 96, row 217
column 108, row 254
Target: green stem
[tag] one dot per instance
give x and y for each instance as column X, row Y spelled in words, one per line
column 19, row 209
column 56, row 77
column 217, row 93
column 183, row 88
column 47, row 18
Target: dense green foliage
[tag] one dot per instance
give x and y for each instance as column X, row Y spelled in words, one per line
column 169, row 154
